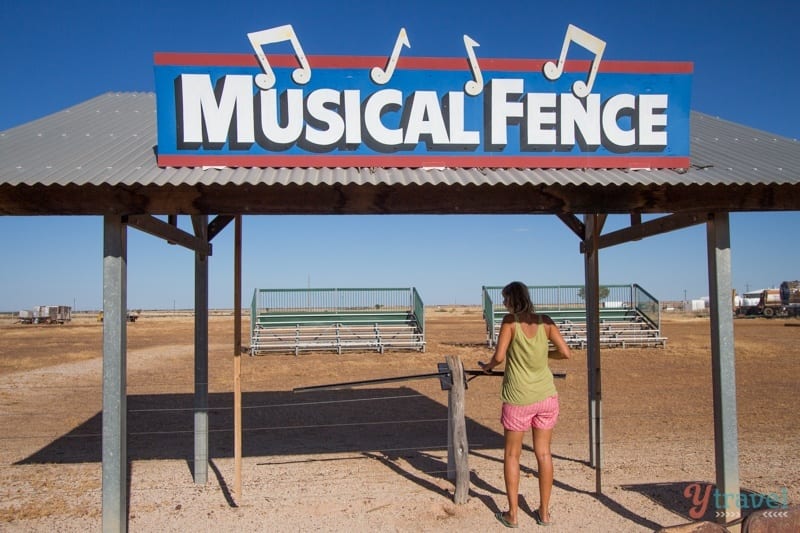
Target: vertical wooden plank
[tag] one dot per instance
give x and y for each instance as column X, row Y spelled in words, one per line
column 451, row 456
column 458, row 426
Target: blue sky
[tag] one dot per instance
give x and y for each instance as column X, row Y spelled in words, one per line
column 56, row 54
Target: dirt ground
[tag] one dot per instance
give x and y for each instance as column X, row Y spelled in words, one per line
column 375, row 458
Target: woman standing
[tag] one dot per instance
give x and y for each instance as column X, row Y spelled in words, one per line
column 530, row 399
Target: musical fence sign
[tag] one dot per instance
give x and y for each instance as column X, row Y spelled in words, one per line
column 260, row 110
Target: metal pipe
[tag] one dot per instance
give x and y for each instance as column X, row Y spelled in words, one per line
column 334, row 386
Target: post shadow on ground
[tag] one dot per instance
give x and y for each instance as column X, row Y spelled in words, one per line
column 610, row 503
column 394, row 422
column 161, row 426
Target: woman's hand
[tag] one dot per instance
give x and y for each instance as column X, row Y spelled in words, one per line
column 485, row 366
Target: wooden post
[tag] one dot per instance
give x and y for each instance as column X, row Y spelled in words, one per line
column 458, row 447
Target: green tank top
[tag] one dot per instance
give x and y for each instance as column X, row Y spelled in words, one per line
column 527, row 377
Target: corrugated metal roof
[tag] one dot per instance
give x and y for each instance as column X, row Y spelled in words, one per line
column 111, row 140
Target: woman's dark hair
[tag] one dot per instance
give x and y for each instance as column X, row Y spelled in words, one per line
column 517, row 297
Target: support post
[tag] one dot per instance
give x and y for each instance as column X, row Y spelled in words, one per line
column 592, row 299
column 458, row 447
column 200, row 354
column 723, row 365
column 115, row 306
column 237, row 357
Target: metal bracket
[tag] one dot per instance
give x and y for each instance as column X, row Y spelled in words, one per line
column 445, row 377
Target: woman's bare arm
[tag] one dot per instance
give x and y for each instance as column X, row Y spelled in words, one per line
column 563, row 350
column 503, row 342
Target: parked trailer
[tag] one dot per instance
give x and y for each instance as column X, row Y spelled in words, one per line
column 52, row 314
column 781, row 302
column 790, row 292
column 748, row 304
column 46, row 314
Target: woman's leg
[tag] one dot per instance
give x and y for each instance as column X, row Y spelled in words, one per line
column 541, row 448
column 513, row 450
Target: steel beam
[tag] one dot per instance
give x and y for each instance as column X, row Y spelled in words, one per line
column 200, row 224
column 237, row 357
column 115, row 305
column 593, row 224
column 723, row 364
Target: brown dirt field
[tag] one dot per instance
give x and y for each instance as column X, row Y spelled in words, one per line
column 374, row 458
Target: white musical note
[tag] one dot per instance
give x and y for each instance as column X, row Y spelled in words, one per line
column 382, row 76
column 279, row 34
column 595, row 45
column 473, row 87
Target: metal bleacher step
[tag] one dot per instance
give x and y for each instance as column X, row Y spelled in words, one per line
column 318, row 336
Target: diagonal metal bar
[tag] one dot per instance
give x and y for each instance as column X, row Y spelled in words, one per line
column 348, row 384
column 345, row 385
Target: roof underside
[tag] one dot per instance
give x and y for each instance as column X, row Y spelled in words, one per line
column 98, row 157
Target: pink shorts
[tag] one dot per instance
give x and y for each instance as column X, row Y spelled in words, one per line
column 539, row 415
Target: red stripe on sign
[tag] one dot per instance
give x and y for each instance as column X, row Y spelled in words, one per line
column 418, row 63
column 415, row 161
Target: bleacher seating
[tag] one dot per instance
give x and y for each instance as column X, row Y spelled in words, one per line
column 316, row 328
column 335, row 331
column 621, row 326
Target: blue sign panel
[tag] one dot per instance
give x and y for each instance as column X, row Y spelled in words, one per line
column 328, row 111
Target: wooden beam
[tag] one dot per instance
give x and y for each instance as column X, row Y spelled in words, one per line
column 159, row 228
column 648, row 229
column 600, row 222
column 217, row 225
column 573, row 223
column 262, row 199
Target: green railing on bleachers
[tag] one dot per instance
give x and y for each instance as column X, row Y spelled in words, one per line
column 337, row 305
column 419, row 311
column 647, row 306
column 566, row 302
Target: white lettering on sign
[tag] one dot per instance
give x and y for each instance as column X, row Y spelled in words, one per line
column 613, row 110
column 390, row 100
column 200, row 105
column 387, row 120
column 276, row 131
column 652, row 120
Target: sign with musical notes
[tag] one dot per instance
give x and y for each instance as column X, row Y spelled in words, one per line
column 263, row 110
